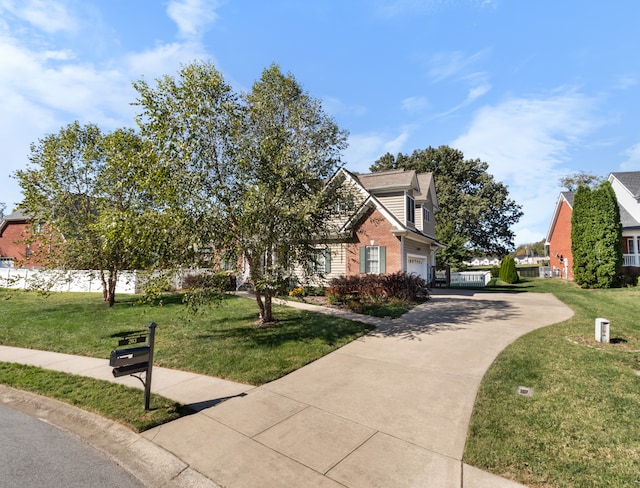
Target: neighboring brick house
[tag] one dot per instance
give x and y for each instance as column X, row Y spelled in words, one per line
column 15, row 228
column 626, row 186
column 558, row 240
column 391, row 228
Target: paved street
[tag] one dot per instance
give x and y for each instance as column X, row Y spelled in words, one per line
column 34, row 453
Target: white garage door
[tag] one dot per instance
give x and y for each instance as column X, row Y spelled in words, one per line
column 416, row 265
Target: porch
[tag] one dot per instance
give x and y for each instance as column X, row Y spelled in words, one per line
column 631, row 250
column 631, row 260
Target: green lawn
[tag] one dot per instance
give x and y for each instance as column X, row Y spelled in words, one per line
column 110, row 400
column 222, row 341
column 581, row 427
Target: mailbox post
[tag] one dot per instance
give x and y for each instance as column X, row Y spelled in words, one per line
column 132, row 360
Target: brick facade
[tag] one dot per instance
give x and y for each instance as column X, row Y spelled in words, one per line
column 374, row 230
column 560, row 239
column 12, row 244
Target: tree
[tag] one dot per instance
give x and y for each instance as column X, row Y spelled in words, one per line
column 475, row 211
column 572, row 181
column 94, row 191
column 531, row 249
column 2, row 207
column 508, row 271
column 247, row 171
column 596, row 236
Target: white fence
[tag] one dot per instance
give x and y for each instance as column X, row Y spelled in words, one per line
column 472, row 279
column 86, row 281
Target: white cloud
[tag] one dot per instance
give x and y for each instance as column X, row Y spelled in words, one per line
column 526, row 141
column 415, row 104
column 192, row 16
column 448, row 64
column 335, row 107
column 47, row 15
column 364, row 149
column 632, row 161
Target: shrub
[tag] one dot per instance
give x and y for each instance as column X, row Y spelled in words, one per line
column 495, row 272
column 508, row 272
column 220, row 280
column 399, row 285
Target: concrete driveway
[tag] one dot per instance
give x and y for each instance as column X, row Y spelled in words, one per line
column 391, row 409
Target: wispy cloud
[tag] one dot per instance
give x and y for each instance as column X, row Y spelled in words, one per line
column 527, row 143
column 364, row 149
column 632, row 161
column 447, row 64
column 192, row 16
column 415, row 104
column 46, row 15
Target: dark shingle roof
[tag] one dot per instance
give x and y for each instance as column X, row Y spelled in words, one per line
column 630, row 179
column 568, row 196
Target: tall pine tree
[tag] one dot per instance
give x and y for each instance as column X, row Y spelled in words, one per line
column 596, row 237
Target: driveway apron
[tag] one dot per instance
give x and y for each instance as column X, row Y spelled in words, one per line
column 391, row 409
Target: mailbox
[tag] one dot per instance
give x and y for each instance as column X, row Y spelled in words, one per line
column 127, row 357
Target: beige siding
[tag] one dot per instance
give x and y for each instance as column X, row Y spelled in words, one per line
column 418, row 248
column 394, row 203
column 429, row 228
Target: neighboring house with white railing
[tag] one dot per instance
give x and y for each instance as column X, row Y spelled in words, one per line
column 626, row 186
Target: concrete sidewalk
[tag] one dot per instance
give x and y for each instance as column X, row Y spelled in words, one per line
column 389, row 409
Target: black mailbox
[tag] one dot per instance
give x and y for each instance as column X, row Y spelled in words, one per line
column 131, row 369
column 130, row 356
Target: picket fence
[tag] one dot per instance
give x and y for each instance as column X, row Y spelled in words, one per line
column 473, row 279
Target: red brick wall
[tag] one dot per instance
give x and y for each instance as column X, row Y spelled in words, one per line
column 374, row 228
column 560, row 242
column 11, row 245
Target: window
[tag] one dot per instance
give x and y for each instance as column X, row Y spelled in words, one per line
column 38, row 228
column 426, row 214
column 411, row 210
column 373, row 259
column 321, row 263
column 631, row 245
column 28, row 251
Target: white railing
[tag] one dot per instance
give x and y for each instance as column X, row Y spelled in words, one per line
column 6, row 262
column 474, row 279
column 631, row 259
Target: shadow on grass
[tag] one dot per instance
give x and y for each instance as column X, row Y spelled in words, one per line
column 310, row 327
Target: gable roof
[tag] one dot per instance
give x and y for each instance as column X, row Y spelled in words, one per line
column 565, row 196
column 394, row 179
column 631, row 180
column 17, row 216
column 397, row 179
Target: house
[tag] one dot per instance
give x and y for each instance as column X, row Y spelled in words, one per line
column 390, row 226
column 558, row 240
column 15, row 229
column 483, row 261
column 626, row 186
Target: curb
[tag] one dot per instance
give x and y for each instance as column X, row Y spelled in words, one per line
column 152, row 465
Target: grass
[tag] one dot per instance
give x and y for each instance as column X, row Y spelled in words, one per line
column 221, row 341
column 116, row 402
column 581, row 427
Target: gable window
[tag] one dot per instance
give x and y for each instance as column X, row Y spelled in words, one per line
column 411, row 210
column 373, row 259
column 426, row 214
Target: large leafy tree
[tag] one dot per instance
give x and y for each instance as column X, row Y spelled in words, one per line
column 93, row 190
column 246, row 170
column 596, row 236
column 572, row 181
column 475, row 211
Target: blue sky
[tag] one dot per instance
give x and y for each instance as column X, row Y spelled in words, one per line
column 537, row 89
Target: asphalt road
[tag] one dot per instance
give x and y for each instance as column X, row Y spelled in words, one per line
column 34, row 453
